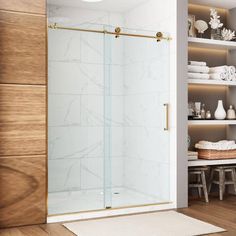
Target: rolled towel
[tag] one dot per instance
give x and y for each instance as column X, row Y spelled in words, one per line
column 232, row 69
column 218, row 69
column 198, row 76
column 234, row 77
column 231, row 73
column 197, row 63
column 198, row 69
column 218, row 76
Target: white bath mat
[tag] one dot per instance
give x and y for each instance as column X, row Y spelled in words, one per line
column 169, row 223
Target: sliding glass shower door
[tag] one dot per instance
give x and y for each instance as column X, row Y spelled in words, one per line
column 136, row 85
column 108, row 136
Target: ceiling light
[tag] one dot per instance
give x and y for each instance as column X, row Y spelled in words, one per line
column 92, row 0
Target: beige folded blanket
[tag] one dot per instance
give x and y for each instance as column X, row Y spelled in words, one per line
column 221, row 145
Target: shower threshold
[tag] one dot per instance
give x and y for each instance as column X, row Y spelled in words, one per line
column 89, row 204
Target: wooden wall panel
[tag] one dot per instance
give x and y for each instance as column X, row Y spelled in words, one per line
column 22, row 184
column 29, row 6
column 22, row 120
column 23, row 126
column 22, row 48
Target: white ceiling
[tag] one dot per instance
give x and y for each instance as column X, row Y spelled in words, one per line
column 107, row 5
column 227, row 4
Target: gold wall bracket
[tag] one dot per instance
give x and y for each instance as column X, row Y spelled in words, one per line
column 117, row 31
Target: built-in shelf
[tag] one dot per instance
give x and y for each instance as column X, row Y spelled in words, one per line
column 210, row 43
column 202, row 162
column 212, row 82
column 212, row 122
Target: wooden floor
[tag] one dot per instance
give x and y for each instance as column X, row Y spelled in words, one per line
column 220, row 213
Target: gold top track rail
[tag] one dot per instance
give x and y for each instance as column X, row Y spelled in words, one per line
column 159, row 35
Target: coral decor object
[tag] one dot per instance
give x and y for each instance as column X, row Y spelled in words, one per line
column 215, row 19
column 227, row 34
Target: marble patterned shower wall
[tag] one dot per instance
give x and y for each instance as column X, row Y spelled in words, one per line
column 76, row 102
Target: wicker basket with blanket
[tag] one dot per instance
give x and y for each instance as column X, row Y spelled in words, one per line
column 216, row 150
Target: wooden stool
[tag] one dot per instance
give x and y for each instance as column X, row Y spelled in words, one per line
column 222, row 182
column 200, row 182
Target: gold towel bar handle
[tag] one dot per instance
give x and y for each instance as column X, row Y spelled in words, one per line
column 166, row 105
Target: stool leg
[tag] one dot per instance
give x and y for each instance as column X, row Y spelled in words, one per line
column 234, row 179
column 204, row 186
column 221, row 183
column 210, row 181
column 199, row 188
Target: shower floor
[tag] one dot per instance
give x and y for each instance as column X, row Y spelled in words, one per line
column 76, row 201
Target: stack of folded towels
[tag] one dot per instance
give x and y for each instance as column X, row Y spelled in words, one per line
column 200, row 70
column 221, row 145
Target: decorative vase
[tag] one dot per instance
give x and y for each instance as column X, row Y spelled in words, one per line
column 231, row 113
column 208, row 115
column 220, row 113
column 216, row 34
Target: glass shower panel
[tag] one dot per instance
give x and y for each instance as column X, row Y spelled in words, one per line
column 76, row 121
column 107, row 144
column 138, row 85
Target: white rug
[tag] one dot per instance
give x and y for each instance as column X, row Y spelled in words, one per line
column 169, row 223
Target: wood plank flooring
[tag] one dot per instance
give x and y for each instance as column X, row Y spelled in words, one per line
column 220, row 213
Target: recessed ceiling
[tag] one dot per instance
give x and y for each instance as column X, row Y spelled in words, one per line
column 106, row 5
column 226, row 4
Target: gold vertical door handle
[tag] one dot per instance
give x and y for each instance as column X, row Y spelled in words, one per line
column 166, row 105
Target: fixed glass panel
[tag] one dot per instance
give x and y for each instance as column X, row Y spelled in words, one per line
column 76, row 121
column 138, row 82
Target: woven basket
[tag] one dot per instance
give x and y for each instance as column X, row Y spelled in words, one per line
column 216, row 154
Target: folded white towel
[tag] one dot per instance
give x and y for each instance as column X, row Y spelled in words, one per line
column 221, row 145
column 197, row 63
column 198, row 76
column 218, row 76
column 218, row 69
column 198, row 69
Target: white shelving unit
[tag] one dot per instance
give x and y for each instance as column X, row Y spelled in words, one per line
column 215, row 53
column 212, row 82
column 202, row 162
column 209, row 43
column 212, row 122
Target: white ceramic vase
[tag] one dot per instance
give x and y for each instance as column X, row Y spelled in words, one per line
column 220, row 113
